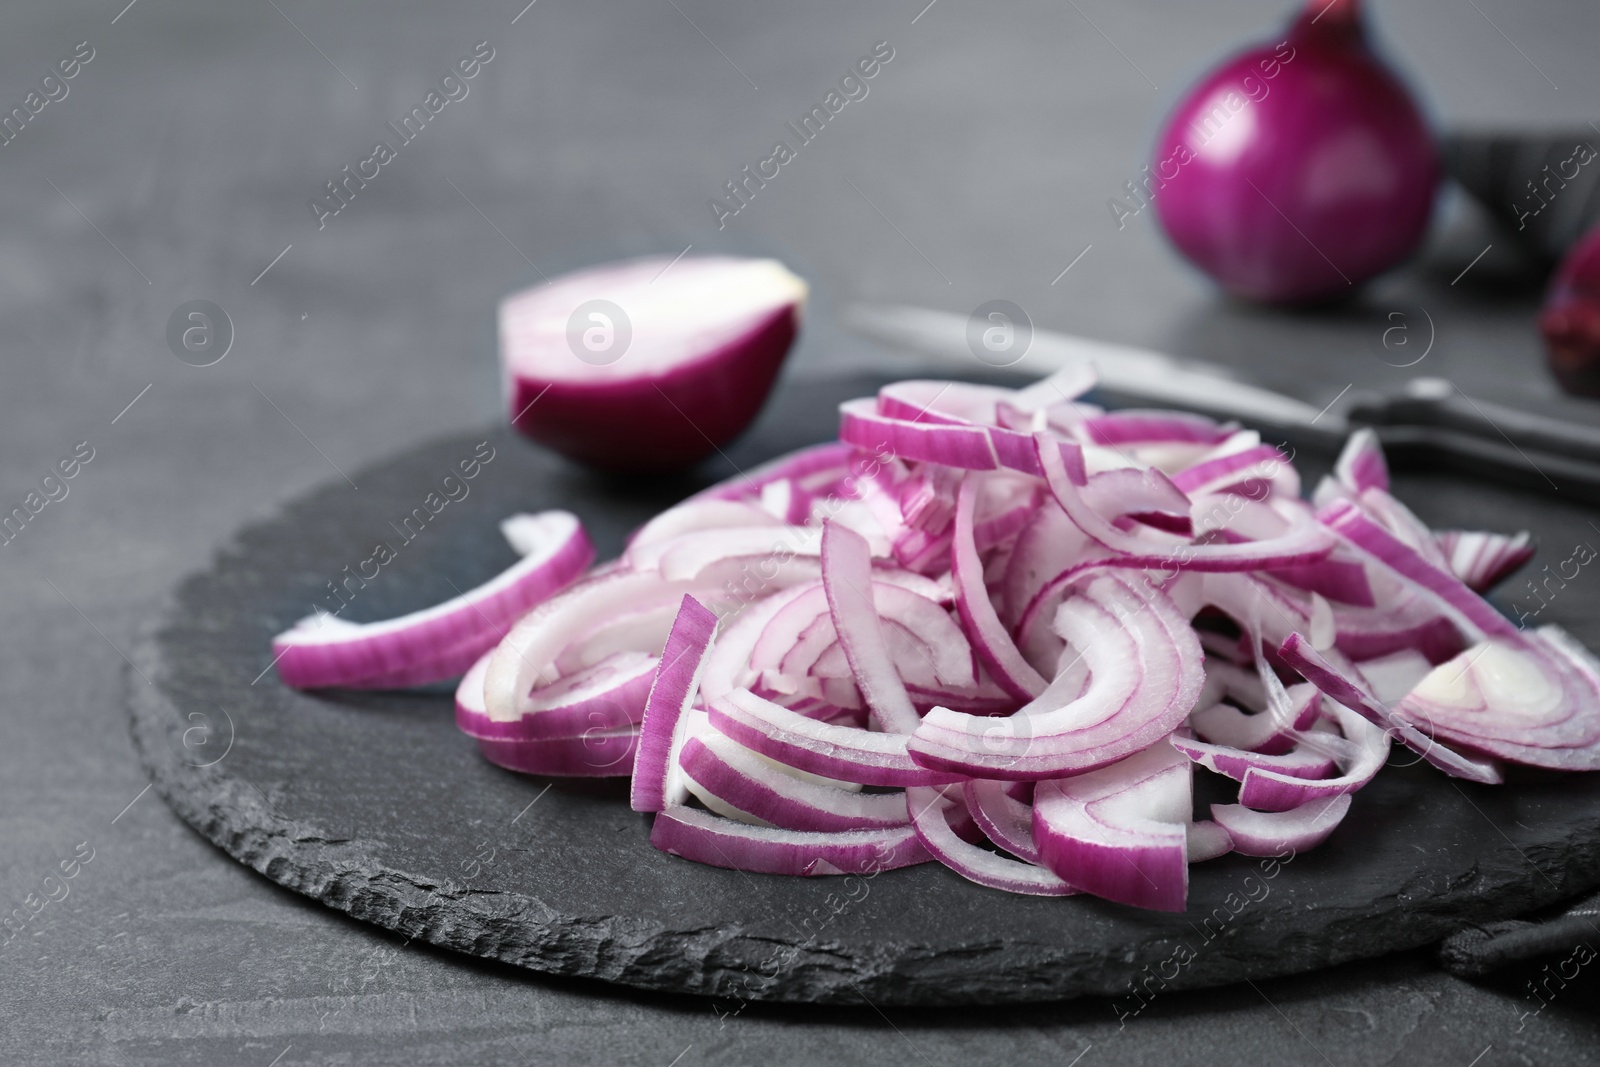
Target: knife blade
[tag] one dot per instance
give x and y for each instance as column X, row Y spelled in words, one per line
column 1430, row 420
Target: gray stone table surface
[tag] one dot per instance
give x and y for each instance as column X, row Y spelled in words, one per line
column 179, row 166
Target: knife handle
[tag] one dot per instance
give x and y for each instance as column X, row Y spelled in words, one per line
column 1433, row 403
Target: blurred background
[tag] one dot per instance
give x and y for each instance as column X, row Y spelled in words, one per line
column 179, row 166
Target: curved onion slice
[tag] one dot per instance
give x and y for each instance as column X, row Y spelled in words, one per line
column 733, row 781
column 1262, row 731
column 993, row 645
column 1303, row 761
column 600, row 754
column 1120, row 832
column 608, row 696
column 1144, row 678
column 718, row 842
column 532, row 652
column 931, row 808
column 672, row 693
column 638, row 367
column 1297, row 652
column 1272, row 833
column 847, row 579
column 1361, row 465
column 844, row 752
column 323, row 651
column 1302, row 543
column 1483, row 560
column 1004, row 819
column 1266, row 789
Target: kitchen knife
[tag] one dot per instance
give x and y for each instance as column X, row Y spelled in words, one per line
column 1430, row 421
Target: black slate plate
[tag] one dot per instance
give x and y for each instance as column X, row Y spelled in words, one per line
column 375, row 805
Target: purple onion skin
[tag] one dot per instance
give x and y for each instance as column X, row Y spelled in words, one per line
column 1312, row 180
column 1570, row 321
column 647, row 425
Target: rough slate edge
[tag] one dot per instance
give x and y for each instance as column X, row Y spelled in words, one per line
column 716, row 960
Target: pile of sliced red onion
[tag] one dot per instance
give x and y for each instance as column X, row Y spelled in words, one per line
column 999, row 629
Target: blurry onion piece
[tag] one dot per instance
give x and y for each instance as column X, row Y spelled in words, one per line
column 650, row 364
column 1296, row 171
column 1570, row 321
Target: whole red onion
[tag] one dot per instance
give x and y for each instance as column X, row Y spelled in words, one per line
column 1298, row 170
column 1570, row 320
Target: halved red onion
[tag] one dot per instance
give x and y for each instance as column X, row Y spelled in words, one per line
column 317, row 653
column 1120, row 832
column 931, row 808
column 1273, row 833
column 1468, row 609
column 672, row 693
column 718, row 842
column 651, row 364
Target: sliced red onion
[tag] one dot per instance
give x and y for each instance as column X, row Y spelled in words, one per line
column 1361, row 464
column 647, row 365
column 847, row 578
column 1207, row 840
column 1469, row 609
column 961, row 613
column 990, row 640
column 1303, row 543
column 1273, row 833
column 572, row 628
column 1483, row 560
column 1297, row 653
column 737, row 783
column 1521, row 701
column 844, row 752
column 1120, row 832
column 314, row 654
column 672, row 693
column 1262, row 731
column 931, row 808
column 1362, row 758
column 606, row 697
column 1004, row 819
column 1144, row 678
column 693, row 516
column 600, row 754
column 718, row 842
column 1303, row 761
